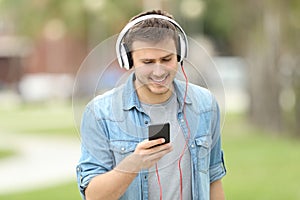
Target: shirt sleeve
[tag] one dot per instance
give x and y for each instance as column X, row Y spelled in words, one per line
column 217, row 166
column 96, row 157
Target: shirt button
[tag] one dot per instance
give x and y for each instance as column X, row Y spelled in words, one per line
column 182, row 120
column 123, row 149
column 192, row 146
column 146, row 122
column 145, row 177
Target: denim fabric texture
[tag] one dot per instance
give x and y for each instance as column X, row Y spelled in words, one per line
column 114, row 123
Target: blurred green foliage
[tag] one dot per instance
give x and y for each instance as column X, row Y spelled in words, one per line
column 30, row 17
column 81, row 18
column 229, row 23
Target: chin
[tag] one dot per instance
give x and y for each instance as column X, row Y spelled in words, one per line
column 159, row 91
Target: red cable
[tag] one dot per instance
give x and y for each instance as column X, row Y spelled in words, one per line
column 189, row 133
column 185, row 145
column 158, row 180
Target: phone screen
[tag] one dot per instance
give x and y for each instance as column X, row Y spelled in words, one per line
column 159, row 131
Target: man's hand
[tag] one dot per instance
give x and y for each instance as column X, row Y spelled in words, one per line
column 113, row 184
column 145, row 156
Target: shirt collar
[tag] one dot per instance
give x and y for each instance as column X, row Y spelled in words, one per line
column 180, row 88
column 130, row 98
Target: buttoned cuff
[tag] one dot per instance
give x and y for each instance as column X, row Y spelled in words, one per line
column 83, row 181
column 217, row 171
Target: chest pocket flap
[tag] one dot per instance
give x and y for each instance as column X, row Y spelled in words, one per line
column 122, row 148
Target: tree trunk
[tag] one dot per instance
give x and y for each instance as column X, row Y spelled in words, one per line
column 264, row 88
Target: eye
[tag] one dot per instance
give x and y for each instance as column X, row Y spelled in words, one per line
column 167, row 59
column 147, row 62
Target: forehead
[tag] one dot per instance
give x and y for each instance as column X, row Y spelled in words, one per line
column 167, row 45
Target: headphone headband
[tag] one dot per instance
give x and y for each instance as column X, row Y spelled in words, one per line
column 125, row 62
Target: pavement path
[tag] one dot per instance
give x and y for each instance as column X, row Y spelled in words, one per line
column 41, row 161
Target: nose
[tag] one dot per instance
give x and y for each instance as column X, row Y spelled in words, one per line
column 158, row 70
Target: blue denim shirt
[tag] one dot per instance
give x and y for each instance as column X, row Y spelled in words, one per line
column 114, row 123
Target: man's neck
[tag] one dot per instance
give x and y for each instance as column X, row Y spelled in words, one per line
column 147, row 97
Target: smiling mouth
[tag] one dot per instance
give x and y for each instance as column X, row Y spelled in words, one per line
column 160, row 80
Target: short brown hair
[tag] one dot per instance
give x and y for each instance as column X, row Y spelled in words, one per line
column 151, row 30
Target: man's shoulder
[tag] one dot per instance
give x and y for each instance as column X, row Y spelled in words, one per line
column 107, row 99
column 116, row 94
column 199, row 91
column 201, row 98
column 110, row 94
column 194, row 90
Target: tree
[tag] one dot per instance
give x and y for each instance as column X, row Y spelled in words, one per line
column 265, row 33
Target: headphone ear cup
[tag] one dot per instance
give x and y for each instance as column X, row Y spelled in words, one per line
column 126, row 57
column 129, row 56
column 178, row 49
column 181, row 52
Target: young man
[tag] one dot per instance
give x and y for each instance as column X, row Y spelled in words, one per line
column 118, row 160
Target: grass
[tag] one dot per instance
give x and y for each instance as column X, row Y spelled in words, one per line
column 67, row 191
column 42, row 119
column 38, row 119
column 260, row 166
column 4, row 153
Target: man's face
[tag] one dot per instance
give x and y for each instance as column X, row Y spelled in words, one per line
column 155, row 67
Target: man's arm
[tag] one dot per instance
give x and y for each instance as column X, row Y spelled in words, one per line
column 110, row 185
column 216, row 190
column 217, row 167
column 113, row 184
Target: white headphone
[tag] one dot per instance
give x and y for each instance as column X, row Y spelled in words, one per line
column 123, row 53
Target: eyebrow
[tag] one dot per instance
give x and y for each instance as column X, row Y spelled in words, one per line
column 151, row 59
column 171, row 54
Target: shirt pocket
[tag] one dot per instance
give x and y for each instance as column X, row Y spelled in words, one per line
column 203, row 153
column 121, row 149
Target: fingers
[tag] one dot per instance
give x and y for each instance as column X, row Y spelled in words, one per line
column 156, row 154
column 159, row 152
column 150, row 143
column 150, row 147
column 147, row 155
column 161, row 148
column 144, row 156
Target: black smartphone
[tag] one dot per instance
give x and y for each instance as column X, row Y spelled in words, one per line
column 156, row 131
